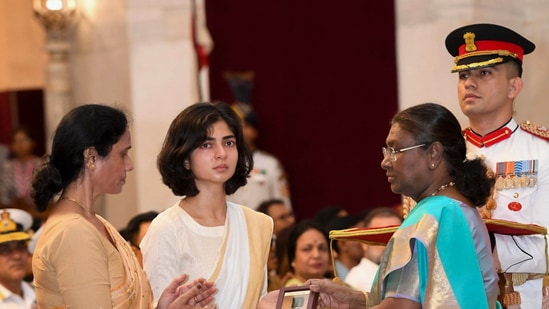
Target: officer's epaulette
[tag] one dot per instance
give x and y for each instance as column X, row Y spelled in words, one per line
column 535, row 129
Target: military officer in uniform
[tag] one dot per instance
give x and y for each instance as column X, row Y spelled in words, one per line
column 488, row 59
column 15, row 293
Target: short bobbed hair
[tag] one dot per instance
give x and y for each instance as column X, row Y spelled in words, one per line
column 187, row 132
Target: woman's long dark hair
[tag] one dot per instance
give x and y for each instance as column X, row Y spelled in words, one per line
column 92, row 125
column 429, row 123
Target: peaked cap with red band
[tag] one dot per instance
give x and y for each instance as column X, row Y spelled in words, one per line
column 484, row 45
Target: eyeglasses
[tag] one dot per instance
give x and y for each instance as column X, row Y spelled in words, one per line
column 390, row 152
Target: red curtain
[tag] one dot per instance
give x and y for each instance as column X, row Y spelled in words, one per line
column 30, row 107
column 23, row 108
column 325, row 91
column 5, row 118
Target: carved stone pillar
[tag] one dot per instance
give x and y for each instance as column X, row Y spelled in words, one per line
column 58, row 98
column 56, row 17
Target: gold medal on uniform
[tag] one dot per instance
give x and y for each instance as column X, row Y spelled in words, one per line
column 529, row 168
column 516, row 174
column 532, row 181
column 516, row 182
column 524, row 181
column 500, row 183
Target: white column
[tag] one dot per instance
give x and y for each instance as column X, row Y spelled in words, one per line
column 58, row 98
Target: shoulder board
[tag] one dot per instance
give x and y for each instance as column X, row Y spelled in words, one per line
column 535, row 129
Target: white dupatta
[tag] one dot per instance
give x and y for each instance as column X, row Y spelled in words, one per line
column 233, row 268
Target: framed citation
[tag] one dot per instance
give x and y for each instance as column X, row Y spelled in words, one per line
column 297, row 297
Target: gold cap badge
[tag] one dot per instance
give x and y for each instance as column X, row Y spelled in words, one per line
column 9, row 229
column 470, row 42
column 7, row 225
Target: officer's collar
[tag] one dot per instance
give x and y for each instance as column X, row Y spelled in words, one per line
column 494, row 137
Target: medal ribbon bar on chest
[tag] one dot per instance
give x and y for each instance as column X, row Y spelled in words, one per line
column 516, row 174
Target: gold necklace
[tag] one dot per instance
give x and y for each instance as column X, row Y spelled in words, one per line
column 443, row 187
column 91, row 210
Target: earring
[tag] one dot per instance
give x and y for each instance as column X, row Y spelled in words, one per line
column 90, row 162
column 432, row 165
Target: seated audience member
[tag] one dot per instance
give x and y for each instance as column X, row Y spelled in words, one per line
column 283, row 216
column 136, row 229
column 326, row 214
column 16, row 172
column 347, row 252
column 362, row 275
column 308, row 252
column 14, row 266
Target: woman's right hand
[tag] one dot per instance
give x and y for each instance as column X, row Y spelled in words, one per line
column 195, row 294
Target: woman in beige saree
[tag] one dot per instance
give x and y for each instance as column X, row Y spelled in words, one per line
column 80, row 260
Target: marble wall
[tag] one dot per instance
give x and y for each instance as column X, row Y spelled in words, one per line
column 100, row 65
column 22, row 55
